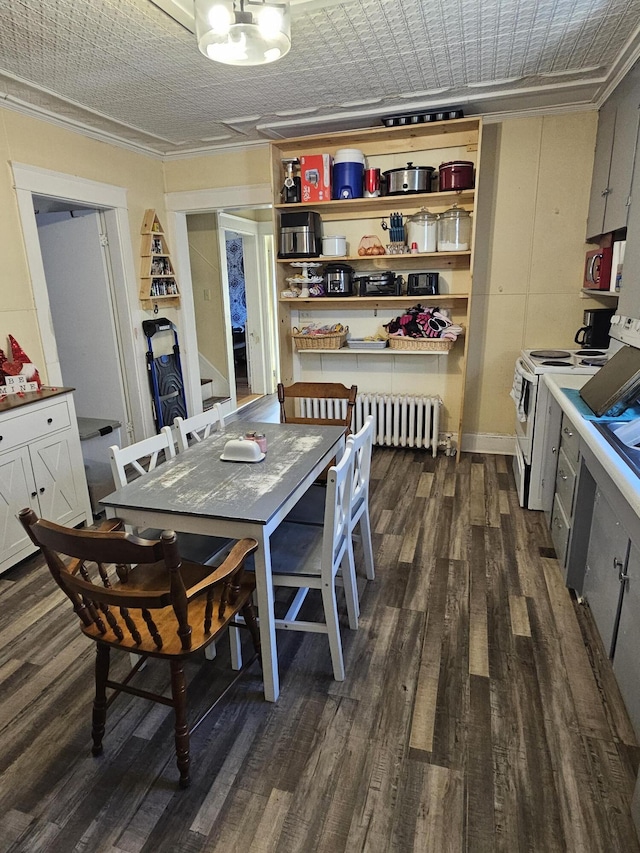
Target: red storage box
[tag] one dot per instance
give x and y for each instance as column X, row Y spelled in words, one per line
column 315, row 177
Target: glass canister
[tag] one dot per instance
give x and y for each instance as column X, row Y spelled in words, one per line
column 454, row 230
column 422, row 229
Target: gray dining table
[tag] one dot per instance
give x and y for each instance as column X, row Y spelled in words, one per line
column 197, row 492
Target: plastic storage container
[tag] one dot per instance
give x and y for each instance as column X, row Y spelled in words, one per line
column 454, row 230
column 348, row 173
column 422, row 229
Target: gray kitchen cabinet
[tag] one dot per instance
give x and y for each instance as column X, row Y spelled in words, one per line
column 568, row 454
column 626, row 660
column 613, row 171
column 607, row 558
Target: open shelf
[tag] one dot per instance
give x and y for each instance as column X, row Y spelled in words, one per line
column 322, row 302
column 349, row 206
column 374, row 352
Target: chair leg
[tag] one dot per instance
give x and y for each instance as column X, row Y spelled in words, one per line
column 333, row 629
column 210, row 651
column 235, row 646
column 100, row 702
column 179, row 696
column 350, row 584
column 365, row 534
column 249, row 614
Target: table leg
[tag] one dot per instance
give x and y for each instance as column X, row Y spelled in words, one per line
column 264, row 592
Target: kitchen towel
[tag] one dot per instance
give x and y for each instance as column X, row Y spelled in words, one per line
column 574, row 397
column 520, row 395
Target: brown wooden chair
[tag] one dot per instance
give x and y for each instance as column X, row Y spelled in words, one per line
column 137, row 595
column 325, row 404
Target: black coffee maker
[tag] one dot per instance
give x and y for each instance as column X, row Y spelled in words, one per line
column 595, row 332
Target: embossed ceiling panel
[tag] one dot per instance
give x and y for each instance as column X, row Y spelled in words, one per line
column 124, row 69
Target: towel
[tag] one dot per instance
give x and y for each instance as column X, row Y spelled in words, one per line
column 588, row 414
column 520, row 395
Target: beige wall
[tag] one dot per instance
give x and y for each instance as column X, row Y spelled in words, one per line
column 37, row 143
column 204, row 255
column 532, row 212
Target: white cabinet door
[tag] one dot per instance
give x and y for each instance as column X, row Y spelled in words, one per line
column 53, row 475
column 17, row 490
column 601, row 168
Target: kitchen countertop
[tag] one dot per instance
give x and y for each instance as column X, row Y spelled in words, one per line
column 13, row 401
column 621, row 475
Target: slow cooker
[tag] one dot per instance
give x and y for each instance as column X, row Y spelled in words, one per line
column 410, row 179
column 338, row 280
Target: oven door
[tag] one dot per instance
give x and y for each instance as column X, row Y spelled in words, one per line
column 524, row 394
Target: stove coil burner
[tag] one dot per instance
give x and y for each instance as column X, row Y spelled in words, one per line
column 594, row 361
column 550, row 353
column 555, row 363
column 591, row 353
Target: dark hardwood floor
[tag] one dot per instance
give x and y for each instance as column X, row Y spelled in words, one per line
column 478, row 714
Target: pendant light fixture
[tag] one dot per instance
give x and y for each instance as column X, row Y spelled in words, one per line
column 243, row 32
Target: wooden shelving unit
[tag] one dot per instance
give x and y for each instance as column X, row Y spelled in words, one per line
column 158, row 284
column 385, row 148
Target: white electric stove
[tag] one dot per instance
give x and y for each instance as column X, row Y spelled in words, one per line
column 539, row 361
column 532, row 412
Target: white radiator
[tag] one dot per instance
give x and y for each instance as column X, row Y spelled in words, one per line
column 401, row 420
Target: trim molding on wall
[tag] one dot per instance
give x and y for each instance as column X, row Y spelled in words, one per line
column 488, row 443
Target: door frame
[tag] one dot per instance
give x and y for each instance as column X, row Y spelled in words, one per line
column 179, row 205
column 112, row 202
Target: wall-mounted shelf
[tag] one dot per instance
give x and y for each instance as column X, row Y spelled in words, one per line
column 323, row 302
column 158, row 285
column 373, row 352
column 381, row 204
column 588, row 293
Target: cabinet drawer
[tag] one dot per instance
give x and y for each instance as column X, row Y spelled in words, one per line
column 28, row 426
column 565, row 482
column 559, row 531
column 569, row 441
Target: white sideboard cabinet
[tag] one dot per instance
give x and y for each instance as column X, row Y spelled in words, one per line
column 41, row 466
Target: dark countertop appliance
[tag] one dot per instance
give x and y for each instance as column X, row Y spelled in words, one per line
column 339, row 280
column 380, row 284
column 300, row 234
column 595, row 331
column 423, row 284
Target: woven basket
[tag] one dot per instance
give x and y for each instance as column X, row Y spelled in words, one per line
column 333, row 340
column 420, row 344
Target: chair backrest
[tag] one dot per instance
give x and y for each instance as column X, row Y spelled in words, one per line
column 337, row 512
column 324, row 403
column 198, row 427
column 361, row 444
column 142, row 453
column 98, row 571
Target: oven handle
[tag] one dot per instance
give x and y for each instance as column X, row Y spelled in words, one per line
column 530, row 377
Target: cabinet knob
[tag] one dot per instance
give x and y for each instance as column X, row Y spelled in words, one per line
column 562, row 475
column 568, row 432
column 49, row 420
column 554, row 449
column 34, row 494
column 605, row 192
column 41, row 490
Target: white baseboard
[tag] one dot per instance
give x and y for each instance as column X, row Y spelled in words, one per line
column 489, row 443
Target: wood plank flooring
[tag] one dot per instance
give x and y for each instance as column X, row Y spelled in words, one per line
column 479, row 712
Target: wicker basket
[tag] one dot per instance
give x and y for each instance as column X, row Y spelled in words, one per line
column 333, row 340
column 420, row 344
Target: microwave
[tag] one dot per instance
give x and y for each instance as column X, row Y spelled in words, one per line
column 597, row 269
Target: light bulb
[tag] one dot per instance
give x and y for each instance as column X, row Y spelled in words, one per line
column 219, row 19
column 269, row 22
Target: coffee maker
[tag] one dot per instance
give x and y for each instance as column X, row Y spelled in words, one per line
column 594, row 334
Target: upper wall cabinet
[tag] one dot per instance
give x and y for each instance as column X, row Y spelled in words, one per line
column 614, row 159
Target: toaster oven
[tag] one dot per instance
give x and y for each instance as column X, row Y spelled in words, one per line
column 423, row 284
column 380, row 284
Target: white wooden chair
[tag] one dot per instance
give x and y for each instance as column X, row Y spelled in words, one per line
column 310, row 509
column 307, row 557
column 198, row 427
column 362, row 446
column 136, row 460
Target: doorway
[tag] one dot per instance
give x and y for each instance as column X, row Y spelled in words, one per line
column 233, row 290
column 77, row 270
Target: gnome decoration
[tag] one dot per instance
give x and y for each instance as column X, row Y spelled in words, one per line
column 28, row 369
column 19, row 374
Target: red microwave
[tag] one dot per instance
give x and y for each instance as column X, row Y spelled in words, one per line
column 597, row 269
